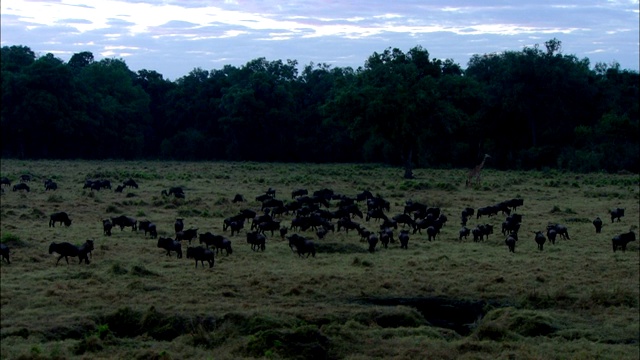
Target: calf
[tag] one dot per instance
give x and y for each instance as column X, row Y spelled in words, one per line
column 620, row 242
column 21, row 186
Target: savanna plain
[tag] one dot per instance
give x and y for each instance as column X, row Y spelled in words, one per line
column 441, row 299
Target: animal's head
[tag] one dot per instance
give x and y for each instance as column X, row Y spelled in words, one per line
column 52, row 248
column 67, row 222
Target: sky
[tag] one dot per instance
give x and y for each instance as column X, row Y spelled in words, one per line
column 174, row 37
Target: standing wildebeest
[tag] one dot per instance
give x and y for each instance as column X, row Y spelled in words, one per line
column 170, row 245
column 302, row 245
column 404, row 239
column 4, row 252
column 257, row 240
column 106, row 227
column 237, row 198
column 21, row 186
column 597, row 223
column 179, row 225
column 299, row 192
column 148, row 227
column 551, row 234
column 66, row 249
column 511, row 242
column 540, row 239
column 373, row 241
column 50, row 185
column 130, row 183
column 119, row 189
column 125, row 221
column 187, row 235
column 60, row 217
column 201, row 254
column 5, row 181
column 616, row 214
column 560, row 230
column 432, row 231
column 174, row 190
column 620, row 241
column 25, row 178
column 464, row 232
column 217, row 241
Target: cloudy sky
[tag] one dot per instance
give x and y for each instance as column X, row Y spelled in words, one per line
column 173, row 37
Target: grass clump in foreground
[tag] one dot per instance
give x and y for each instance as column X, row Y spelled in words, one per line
column 447, row 298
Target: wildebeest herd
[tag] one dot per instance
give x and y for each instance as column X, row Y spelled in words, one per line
column 322, row 212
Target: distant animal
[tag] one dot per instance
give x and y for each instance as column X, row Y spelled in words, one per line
column 179, row 225
column 384, row 239
column 373, row 241
column 21, row 186
column 106, row 227
column 404, row 239
column 617, row 214
column 176, row 191
column 464, row 232
column 119, row 189
column 257, row 240
column 61, row 217
column 201, row 254
column 620, row 242
column 540, row 239
column 511, row 242
column 283, row 232
column 170, row 245
column 238, row 198
column 130, row 183
column 4, row 252
column 217, row 241
column 552, row 234
column 487, row 210
column 560, row 230
column 50, row 185
column 66, row 249
column 514, row 203
column 236, row 226
column 299, row 192
column 25, row 178
column 597, row 223
column 125, row 221
column 5, row 181
column 148, row 227
column 187, row 235
column 303, row 246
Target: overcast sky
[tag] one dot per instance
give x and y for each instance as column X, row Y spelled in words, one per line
column 173, row 37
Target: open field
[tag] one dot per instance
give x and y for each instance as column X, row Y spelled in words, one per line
column 444, row 299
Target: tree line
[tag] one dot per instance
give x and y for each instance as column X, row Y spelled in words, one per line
column 529, row 109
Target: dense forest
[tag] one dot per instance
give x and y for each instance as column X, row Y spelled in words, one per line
column 529, row 109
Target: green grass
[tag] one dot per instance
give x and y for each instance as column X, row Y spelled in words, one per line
column 575, row 299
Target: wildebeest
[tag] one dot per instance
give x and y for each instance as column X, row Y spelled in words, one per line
column 148, row 227
column 302, row 245
column 21, row 186
column 106, row 227
column 464, row 216
column 597, row 223
column 130, row 183
column 299, row 192
column 404, row 239
column 540, row 239
column 236, row 226
column 179, row 225
column 511, row 242
column 432, row 231
column 620, row 242
column 616, row 214
column 25, row 178
column 487, row 210
column 174, row 190
column 189, row 235
column 237, row 198
column 551, row 234
column 269, row 226
column 5, row 181
column 217, row 241
column 201, row 254
column 464, row 232
column 4, row 252
column 50, row 185
column 514, row 203
column 66, row 249
column 119, row 189
column 257, row 240
column 560, row 230
column 373, row 242
column 125, row 221
column 61, row 217
column 170, row 245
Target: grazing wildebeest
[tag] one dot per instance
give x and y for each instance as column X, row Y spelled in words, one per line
column 50, row 185
column 217, row 241
column 106, row 227
column 174, row 190
column 373, row 241
column 404, row 239
column 170, row 245
column 271, row 192
column 302, row 245
column 201, row 254
column 404, row 219
column 620, row 242
column 269, row 226
column 25, row 178
column 187, row 235
column 560, row 230
column 514, row 203
column 616, row 214
column 179, row 225
column 238, row 198
column 130, row 183
column 597, row 223
column 119, row 189
column 4, row 252
column 511, row 242
column 125, row 221
column 21, row 186
column 488, row 211
column 540, row 239
column 61, row 217
column 5, row 181
column 257, row 240
column 299, row 192
column 464, row 232
column 148, row 227
column 66, row 249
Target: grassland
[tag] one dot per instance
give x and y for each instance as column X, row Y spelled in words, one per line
column 445, row 299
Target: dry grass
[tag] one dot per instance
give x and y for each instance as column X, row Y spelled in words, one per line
column 576, row 299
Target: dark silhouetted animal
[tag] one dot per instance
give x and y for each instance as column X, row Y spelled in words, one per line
column 620, row 242
column 21, row 186
column 617, row 214
column 552, row 234
column 187, row 235
column 5, row 181
column 432, row 231
column 597, row 223
column 50, row 185
column 404, row 239
column 175, row 191
column 238, row 198
column 201, row 254
column 511, row 242
column 25, row 178
column 106, row 227
column 373, row 241
column 384, row 239
column 4, row 252
column 179, row 225
column 119, row 189
column 61, row 217
column 148, row 227
column 217, row 241
column 130, row 183
column 299, row 192
column 257, row 240
column 170, row 245
column 302, row 245
column 66, row 249
column 514, row 203
column 125, row 221
column 464, row 233
column 560, row 230
column 540, row 239
column 488, row 211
